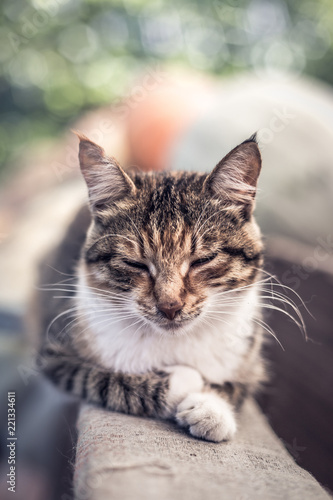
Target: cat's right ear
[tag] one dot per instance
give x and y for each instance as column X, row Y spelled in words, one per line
column 235, row 177
column 106, row 181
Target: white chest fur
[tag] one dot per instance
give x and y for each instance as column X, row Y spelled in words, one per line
column 215, row 347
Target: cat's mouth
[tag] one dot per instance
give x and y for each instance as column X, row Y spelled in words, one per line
column 172, row 325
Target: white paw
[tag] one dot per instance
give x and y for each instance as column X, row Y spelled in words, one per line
column 208, row 416
column 183, row 381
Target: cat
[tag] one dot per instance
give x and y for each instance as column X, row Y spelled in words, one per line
column 158, row 313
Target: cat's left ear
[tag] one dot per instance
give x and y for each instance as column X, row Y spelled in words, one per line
column 234, row 179
column 106, row 180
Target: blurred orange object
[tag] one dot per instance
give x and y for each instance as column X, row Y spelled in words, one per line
column 156, row 122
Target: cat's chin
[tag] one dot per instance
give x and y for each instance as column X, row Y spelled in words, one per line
column 174, row 327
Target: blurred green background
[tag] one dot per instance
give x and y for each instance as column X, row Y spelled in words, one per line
column 61, row 57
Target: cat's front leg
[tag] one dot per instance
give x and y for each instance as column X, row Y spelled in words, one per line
column 208, row 416
column 183, row 381
column 211, row 414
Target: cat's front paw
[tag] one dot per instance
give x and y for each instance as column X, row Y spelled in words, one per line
column 183, row 381
column 208, row 417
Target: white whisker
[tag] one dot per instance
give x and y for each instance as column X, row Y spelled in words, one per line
column 110, row 316
column 110, row 324
column 118, row 236
column 224, row 209
column 100, row 292
column 137, row 230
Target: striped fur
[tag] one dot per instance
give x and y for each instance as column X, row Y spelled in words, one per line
column 149, row 268
column 127, row 393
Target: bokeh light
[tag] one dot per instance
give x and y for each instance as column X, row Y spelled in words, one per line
column 61, row 57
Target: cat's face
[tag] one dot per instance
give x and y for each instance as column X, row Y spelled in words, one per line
column 162, row 246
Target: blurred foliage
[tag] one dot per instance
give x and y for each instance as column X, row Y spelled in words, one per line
column 60, row 57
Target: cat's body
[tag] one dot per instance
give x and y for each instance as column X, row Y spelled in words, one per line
column 159, row 308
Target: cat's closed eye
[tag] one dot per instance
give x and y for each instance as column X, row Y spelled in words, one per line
column 203, row 260
column 137, row 265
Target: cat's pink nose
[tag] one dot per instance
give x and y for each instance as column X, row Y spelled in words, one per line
column 170, row 309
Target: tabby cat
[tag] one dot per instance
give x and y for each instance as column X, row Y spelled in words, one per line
column 158, row 306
